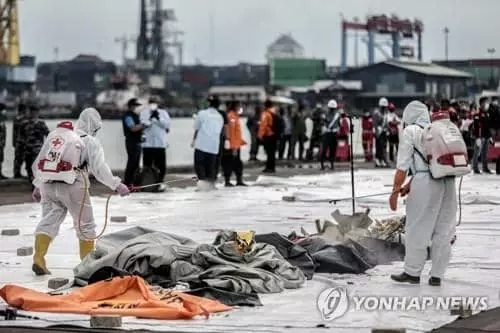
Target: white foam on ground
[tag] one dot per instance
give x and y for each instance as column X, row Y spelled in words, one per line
column 474, row 270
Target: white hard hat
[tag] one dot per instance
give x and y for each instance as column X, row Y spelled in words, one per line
column 383, row 102
column 332, row 104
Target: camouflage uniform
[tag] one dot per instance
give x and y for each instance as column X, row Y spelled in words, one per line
column 32, row 135
column 18, row 145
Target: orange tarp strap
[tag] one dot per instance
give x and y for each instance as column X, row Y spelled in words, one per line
column 122, row 296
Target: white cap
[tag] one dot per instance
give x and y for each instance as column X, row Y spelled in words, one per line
column 383, row 102
column 332, row 104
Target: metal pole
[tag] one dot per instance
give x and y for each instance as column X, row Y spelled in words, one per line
column 351, row 157
column 446, row 33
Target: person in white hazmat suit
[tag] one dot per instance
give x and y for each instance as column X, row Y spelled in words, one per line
column 431, row 206
column 64, row 190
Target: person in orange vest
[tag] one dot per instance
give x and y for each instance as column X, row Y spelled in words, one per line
column 232, row 161
column 393, row 123
column 268, row 135
column 367, row 135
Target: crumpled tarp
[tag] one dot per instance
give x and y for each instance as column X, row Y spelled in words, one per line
column 158, row 256
column 123, row 296
column 321, row 255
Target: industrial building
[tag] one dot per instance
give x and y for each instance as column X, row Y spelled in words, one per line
column 403, row 81
column 485, row 72
column 86, row 75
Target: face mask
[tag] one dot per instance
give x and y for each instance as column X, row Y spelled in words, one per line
column 494, row 102
column 486, row 106
column 240, row 111
column 153, row 106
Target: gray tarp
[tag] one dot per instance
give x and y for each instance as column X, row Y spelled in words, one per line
column 161, row 256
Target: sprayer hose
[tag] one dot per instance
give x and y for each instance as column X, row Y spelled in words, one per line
column 84, row 175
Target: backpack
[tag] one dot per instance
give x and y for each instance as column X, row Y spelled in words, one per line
column 445, row 150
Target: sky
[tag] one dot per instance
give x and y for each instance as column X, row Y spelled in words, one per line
column 231, row 31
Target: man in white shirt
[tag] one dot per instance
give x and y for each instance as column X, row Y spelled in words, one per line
column 208, row 126
column 157, row 122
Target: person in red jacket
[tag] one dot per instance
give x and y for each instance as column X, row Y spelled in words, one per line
column 367, row 135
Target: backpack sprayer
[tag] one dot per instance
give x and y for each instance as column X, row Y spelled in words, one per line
column 132, row 189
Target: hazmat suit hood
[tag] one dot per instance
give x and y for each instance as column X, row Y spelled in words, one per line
column 89, row 121
column 416, row 113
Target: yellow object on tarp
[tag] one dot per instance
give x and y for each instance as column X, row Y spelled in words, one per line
column 122, row 296
column 244, row 239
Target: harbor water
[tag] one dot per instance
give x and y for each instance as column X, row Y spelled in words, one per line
column 179, row 152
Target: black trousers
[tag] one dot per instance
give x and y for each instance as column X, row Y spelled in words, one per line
column 298, row 140
column 270, row 145
column 254, row 146
column 393, row 147
column 231, row 162
column 329, row 143
column 381, row 147
column 134, row 151
column 29, row 158
column 205, row 165
column 285, row 141
column 156, row 157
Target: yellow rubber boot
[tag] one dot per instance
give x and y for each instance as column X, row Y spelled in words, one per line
column 42, row 243
column 86, row 246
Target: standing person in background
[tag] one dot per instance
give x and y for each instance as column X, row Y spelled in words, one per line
column 298, row 132
column 465, row 129
column 208, row 128
column 494, row 115
column 381, row 127
column 224, row 142
column 157, row 124
column 253, row 127
column 393, row 124
column 268, row 135
column 367, row 135
column 33, row 131
column 3, row 136
column 132, row 128
column 330, row 129
column 286, row 136
column 317, row 118
column 17, row 142
column 232, row 161
column 481, row 126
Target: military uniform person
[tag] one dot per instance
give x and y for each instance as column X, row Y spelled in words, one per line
column 17, row 142
column 33, row 132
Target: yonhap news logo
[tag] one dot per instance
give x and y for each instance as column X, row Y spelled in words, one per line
column 334, row 302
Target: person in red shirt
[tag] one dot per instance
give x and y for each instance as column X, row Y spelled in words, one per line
column 367, row 135
column 232, row 159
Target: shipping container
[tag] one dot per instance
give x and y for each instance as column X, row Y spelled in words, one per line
column 294, row 72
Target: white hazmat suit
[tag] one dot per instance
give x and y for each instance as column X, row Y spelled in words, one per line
column 59, row 198
column 431, row 205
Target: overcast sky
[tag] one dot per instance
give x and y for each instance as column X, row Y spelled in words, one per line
column 242, row 29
